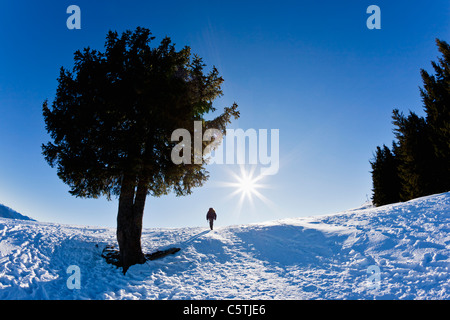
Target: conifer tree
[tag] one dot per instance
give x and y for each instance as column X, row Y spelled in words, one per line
column 111, row 124
column 415, row 155
column 385, row 178
column 436, row 99
column 422, row 149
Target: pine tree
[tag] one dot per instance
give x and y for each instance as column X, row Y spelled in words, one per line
column 385, row 178
column 422, row 149
column 111, row 124
column 415, row 154
column 436, row 99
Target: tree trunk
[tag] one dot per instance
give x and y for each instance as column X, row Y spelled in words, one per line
column 129, row 222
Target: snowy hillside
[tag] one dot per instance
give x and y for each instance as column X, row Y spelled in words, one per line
column 6, row 212
column 328, row 257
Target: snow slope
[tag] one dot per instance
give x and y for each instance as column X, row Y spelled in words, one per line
column 321, row 257
column 6, row 212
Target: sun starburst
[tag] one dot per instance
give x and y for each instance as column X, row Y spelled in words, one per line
column 247, row 186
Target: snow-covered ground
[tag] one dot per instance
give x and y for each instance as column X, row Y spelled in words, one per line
column 399, row 251
column 6, row 212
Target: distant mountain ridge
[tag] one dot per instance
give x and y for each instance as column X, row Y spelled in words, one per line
column 6, row 212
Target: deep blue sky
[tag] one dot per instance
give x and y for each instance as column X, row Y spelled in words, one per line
column 311, row 69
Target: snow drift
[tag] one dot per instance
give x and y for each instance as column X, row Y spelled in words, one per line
column 6, row 212
column 322, row 257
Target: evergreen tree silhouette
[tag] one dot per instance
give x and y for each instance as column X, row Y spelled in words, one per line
column 422, row 149
column 111, row 124
column 385, row 178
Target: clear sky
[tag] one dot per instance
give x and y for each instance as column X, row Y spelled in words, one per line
column 311, row 69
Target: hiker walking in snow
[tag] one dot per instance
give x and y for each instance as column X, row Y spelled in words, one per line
column 211, row 216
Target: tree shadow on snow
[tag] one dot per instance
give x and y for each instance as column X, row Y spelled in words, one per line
column 191, row 239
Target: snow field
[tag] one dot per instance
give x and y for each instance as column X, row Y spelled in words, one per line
column 321, row 257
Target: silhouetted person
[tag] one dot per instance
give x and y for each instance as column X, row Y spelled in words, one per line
column 211, row 216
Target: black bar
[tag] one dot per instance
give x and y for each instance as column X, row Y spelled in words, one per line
column 224, row 309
